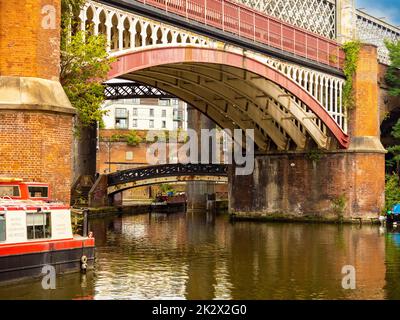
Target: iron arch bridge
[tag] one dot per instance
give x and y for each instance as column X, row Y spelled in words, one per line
column 165, row 173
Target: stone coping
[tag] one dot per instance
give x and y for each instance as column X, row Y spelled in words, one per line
column 34, row 94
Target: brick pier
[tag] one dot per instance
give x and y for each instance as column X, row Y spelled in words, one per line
column 345, row 184
column 36, row 117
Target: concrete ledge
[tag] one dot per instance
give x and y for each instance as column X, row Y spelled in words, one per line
column 256, row 217
column 366, row 144
column 34, row 94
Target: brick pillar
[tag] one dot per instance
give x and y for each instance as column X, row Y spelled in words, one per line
column 196, row 191
column 364, row 130
column 35, row 114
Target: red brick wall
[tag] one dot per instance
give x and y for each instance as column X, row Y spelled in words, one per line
column 27, row 49
column 37, row 146
column 292, row 185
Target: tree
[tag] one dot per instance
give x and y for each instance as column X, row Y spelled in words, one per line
column 393, row 72
column 84, row 65
column 392, row 77
column 393, row 80
column 83, row 68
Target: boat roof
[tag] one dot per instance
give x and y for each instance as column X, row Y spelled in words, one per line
column 20, row 181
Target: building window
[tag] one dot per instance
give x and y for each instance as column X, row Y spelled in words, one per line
column 151, row 123
column 164, row 113
column 164, row 102
column 121, row 124
column 134, row 123
column 121, row 113
column 38, row 192
column 134, row 112
column 136, row 101
column 38, row 225
column 121, row 118
column 174, row 102
column 151, row 112
column 164, row 124
column 2, row 227
column 129, row 155
column 11, row 191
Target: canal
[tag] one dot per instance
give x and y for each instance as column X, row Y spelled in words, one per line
column 203, row 256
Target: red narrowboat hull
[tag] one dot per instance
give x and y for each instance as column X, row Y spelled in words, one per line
column 26, row 260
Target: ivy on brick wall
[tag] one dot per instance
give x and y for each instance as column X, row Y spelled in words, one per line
column 352, row 50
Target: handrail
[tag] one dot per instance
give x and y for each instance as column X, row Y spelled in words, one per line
column 166, row 170
column 245, row 22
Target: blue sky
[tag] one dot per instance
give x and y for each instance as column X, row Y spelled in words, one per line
column 382, row 8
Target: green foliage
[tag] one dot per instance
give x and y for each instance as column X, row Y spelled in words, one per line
column 339, row 204
column 84, row 66
column 133, row 139
column 165, row 188
column 70, row 9
column 352, row 50
column 392, row 191
column 314, row 155
column 393, row 72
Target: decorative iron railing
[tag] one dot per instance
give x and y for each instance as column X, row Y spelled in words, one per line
column 317, row 16
column 166, row 170
column 241, row 20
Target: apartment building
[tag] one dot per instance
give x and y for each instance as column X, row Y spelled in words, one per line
column 145, row 114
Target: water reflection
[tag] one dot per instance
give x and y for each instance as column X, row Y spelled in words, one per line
column 200, row 256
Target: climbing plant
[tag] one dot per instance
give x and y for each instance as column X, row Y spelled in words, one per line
column 352, row 50
column 314, row 155
column 339, row 205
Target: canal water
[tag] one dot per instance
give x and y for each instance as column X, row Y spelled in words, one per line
column 203, row 256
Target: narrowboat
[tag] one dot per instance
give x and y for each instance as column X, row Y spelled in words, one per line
column 169, row 203
column 36, row 232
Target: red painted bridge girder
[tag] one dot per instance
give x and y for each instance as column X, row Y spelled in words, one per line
column 146, row 58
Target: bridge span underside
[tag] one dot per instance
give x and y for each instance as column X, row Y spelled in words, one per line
column 239, row 93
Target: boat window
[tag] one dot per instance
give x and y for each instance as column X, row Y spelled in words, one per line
column 38, row 192
column 11, row 191
column 2, row 227
column 38, row 225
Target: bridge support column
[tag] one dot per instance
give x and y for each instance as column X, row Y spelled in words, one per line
column 337, row 185
column 197, row 191
column 35, row 114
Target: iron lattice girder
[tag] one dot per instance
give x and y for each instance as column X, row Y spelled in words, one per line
column 166, row 170
column 132, row 90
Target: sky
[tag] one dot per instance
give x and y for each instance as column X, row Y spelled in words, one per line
column 382, row 8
